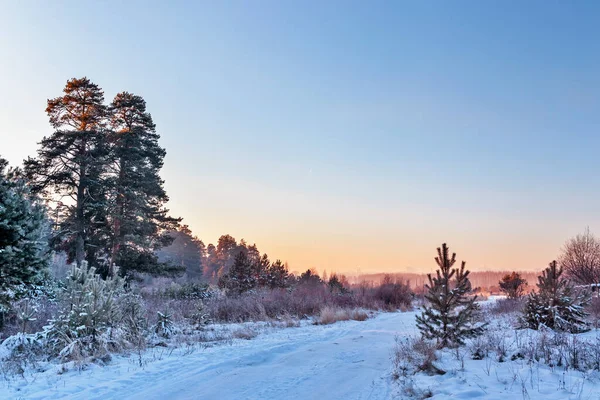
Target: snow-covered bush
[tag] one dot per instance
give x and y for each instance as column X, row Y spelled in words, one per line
column 164, row 326
column 19, row 351
column 133, row 319
column 246, row 333
column 200, row 317
column 190, row 290
column 594, row 311
column 88, row 315
column 507, row 306
column 412, row 355
column 26, row 313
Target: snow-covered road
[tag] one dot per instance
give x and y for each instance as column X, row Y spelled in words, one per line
column 346, row 360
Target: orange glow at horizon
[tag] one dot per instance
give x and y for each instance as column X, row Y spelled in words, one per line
column 357, row 239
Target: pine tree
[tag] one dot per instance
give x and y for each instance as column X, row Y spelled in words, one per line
column 241, row 276
column 513, row 285
column 335, row 284
column 309, row 277
column 262, row 268
column 253, row 253
column 556, row 305
column 23, row 238
column 70, row 163
column 449, row 317
column 226, row 251
column 278, row 276
column 210, row 268
column 139, row 221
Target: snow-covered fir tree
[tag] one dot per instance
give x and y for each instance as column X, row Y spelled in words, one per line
column 449, row 318
column 23, row 238
column 556, row 305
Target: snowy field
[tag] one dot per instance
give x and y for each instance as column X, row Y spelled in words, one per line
column 346, row 360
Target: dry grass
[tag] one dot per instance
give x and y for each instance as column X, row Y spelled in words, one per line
column 358, row 315
column 245, row 333
column 330, row 315
column 412, row 355
column 508, row 306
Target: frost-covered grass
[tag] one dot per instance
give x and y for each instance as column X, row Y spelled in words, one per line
column 348, row 360
column 90, row 323
column 330, row 315
column 504, row 362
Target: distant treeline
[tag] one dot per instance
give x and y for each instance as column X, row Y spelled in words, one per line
column 486, row 280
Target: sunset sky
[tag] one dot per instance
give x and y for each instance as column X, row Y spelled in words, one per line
column 347, row 136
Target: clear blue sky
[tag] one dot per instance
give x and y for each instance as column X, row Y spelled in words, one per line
column 341, row 135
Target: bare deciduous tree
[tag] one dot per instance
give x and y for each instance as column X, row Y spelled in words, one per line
column 580, row 258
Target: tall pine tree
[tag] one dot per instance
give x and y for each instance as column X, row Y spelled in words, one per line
column 449, row 316
column 139, row 221
column 70, row 164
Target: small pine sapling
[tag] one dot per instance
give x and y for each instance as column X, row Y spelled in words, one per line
column 556, row 305
column 449, row 318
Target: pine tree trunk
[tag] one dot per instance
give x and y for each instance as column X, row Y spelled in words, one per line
column 116, row 247
column 80, row 215
column 80, row 236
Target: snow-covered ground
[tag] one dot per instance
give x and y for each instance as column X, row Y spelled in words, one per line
column 346, row 360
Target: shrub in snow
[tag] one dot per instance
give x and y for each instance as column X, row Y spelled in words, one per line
column 133, row 319
column 330, row 314
column 246, row 333
column 412, row 355
column 19, row 351
column 190, row 290
column 507, row 306
column 164, row 326
column 594, row 310
column 200, row 317
column 26, row 313
column 449, row 318
column 556, row 305
column 394, row 294
column 89, row 313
